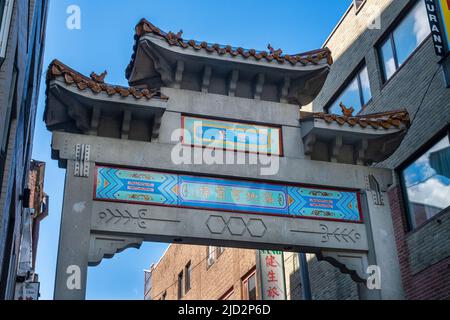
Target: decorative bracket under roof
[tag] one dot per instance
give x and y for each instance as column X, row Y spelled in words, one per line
column 87, row 105
column 361, row 140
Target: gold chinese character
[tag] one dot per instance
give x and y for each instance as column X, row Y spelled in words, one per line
column 268, row 197
column 236, row 194
column 220, row 193
column 205, row 192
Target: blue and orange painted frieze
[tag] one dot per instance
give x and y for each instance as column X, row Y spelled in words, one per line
column 155, row 188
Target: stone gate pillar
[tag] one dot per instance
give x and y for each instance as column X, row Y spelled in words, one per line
column 73, row 250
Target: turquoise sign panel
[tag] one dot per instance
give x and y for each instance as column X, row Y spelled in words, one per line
column 147, row 187
column 232, row 195
column 327, row 204
column 136, row 186
column 231, row 136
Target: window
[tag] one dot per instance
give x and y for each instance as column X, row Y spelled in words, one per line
column 147, row 282
column 356, row 94
column 9, row 109
column 358, row 4
column 6, row 9
column 211, row 257
column 427, row 183
column 406, row 37
column 249, row 287
column 219, row 251
column 187, row 279
column 10, row 114
column 180, row 285
column 213, row 254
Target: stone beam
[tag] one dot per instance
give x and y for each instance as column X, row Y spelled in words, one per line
column 157, row 156
column 192, row 226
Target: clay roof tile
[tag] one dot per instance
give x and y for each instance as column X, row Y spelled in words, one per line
column 96, row 82
column 313, row 57
column 385, row 120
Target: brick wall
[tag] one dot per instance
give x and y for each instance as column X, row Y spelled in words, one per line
column 207, row 282
column 424, row 253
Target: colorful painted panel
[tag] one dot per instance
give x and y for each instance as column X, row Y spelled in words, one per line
column 136, row 186
column 232, row 136
column 232, row 195
column 328, row 204
column 131, row 186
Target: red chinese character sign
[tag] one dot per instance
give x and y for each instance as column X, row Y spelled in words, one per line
column 271, row 272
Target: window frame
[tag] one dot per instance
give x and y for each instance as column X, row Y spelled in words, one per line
column 227, row 295
column 5, row 25
column 245, row 288
column 210, row 257
column 187, row 277
column 410, row 224
column 359, row 6
column 180, row 285
column 219, row 252
column 147, row 282
column 356, row 73
column 389, row 34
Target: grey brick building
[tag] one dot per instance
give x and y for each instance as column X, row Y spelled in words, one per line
column 21, row 51
column 385, row 60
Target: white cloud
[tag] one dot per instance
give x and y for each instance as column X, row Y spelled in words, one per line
column 432, row 193
column 390, row 67
column 421, row 24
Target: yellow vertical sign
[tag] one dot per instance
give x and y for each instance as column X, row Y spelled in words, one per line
column 445, row 12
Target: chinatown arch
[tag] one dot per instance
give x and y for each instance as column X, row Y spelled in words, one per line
column 122, row 186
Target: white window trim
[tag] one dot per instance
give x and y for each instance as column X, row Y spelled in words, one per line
column 211, row 259
column 4, row 28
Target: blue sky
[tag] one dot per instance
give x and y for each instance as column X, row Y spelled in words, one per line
column 105, row 42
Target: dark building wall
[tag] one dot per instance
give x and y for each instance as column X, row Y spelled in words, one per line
column 23, row 58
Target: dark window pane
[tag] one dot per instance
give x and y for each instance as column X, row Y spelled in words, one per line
column 180, row 286
column 2, row 9
column 411, row 32
column 188, row 272
column 427, row 183
column 350, row 97
column 388, row 60
column 251, row 284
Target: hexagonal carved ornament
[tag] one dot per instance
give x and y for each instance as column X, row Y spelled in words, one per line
column 236, row 226
column 256, row 228
column 216, row 224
